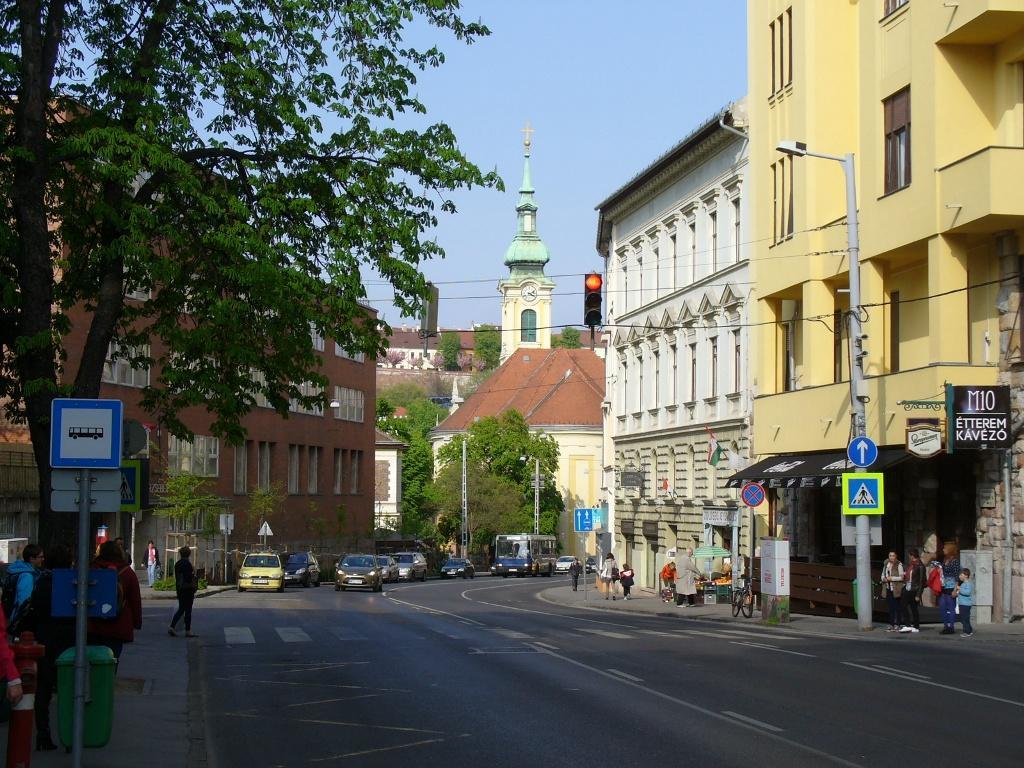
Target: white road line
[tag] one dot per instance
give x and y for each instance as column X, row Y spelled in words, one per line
column 607, row 633
column 545, row 645
column 764, row 647
column 511, row 634
column 620, row 673
column 901, row 671
column 373, row 751
column 760, row 635
column 752, row 721
column 238, row 635
column 719, row 635
column 661, row 634
column 915, row 679
column 347, row 634
column 292, row 635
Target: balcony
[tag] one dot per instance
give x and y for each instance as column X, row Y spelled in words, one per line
column 980, row 193
column 982, row 22
column 818, row 418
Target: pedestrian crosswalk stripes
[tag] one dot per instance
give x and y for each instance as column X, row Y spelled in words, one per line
column 292, row 635
column 238, row 635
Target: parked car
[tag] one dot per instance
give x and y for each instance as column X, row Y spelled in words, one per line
column 562, row 564
column 261, row 570
column 388, row 568
column 456, row 566
column 590, row 566
column 302, row 568
column 411, row 566
column 358, row 572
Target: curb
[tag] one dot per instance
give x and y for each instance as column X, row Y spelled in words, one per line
column 170, row 595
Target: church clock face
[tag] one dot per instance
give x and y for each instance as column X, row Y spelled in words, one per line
column 529, row 293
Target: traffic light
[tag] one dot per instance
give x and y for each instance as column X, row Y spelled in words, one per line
column 428, row 314
column 592, row 299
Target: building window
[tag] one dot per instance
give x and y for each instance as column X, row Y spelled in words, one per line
column 897, row 140
column 340, row 351
column 736, row 228
column 527, row 222
column 737, row 361
column 318, row 340
column 241, row 461
column 693, row 250
column 640, row 271
column 313, row 471
column 892, row 5
column 714, row 367
column 338, row 473
column 789, row 371
column 356, row 460
column 640, row 383
column 263, row 480
column 657, row 380
column 624, row 389
column 350, row 404
column 293, row 469
column 713, row 222
column 894, row 331
column 308, row 389
column 781, row 32
column 673, row 388
column 675, row 257
column 693, row 372
column 119, row 370
column 528, row 325
column 656, row 271
column 199, row 456
column 782, row 198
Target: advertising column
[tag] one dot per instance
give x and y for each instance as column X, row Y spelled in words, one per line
column 775, row 579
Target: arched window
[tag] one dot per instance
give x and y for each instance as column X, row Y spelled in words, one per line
column 528, row 325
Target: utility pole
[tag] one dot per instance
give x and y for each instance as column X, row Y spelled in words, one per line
column 464, row 539
column 536, row 496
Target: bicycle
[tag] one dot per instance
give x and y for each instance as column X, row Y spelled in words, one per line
column 743, row 600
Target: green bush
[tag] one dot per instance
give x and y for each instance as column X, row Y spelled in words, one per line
column 167, row 584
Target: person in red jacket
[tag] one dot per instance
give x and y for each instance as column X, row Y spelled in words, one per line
column 114, row 633
column 7, row 666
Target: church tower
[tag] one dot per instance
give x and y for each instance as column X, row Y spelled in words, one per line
column 526, row 292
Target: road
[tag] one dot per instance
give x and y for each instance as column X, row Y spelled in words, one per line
column 483, row 672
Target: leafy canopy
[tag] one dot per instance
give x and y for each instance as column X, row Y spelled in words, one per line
column 488, row 345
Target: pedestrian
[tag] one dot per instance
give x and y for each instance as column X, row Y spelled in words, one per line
column 686, row 579
column 127, row 552
column 950, row 577
column 115, row 632
column 965, row 601
column 626, row 579
column 892, row 588
column 913, row 584
column 56, row 634
column 152, row 562
column 575, row 569
column 19, row 584
column 668, row 582
column 185, row 586
column 609, row 576
column 8, row 669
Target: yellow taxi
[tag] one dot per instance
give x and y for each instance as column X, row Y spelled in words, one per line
column 261, row 570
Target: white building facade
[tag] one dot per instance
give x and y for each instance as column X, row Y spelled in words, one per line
column 676, row 307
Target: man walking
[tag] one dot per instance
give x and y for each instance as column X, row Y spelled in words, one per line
column 574, row 570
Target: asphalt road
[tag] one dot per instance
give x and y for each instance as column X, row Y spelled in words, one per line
column 483, row 673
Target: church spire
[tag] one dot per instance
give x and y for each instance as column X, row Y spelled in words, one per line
column 527, row 254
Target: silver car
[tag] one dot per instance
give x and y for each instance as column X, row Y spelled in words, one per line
column 388, row 568
column 563, row 563
column 411, row 566
column 358, row 572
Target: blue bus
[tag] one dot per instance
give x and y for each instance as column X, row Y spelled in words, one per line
column 524, row 554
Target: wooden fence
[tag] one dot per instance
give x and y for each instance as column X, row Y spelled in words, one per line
column 821, row 589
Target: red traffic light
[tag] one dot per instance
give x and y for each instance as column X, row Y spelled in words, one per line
column 593, row 282
column 592, row 299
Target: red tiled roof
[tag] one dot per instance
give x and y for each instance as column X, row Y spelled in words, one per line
column 550, row 387
column 409, row 338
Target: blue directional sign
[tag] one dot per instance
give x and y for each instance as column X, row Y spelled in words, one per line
column 584, row 518
column 862, row 451
column 85, row 434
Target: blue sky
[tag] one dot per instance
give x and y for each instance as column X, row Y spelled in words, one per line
column 608, row 87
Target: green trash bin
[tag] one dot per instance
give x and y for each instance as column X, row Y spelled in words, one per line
column 99, row 698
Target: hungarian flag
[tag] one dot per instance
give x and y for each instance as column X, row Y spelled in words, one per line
column 716, row 452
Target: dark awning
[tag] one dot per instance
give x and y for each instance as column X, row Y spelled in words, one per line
column 810, row 470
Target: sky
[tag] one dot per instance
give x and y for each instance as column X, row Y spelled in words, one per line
column 607, row 86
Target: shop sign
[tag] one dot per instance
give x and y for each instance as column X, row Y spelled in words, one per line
column 978, row 418
column 631, row 479
column 723, row 516
column 924, row 440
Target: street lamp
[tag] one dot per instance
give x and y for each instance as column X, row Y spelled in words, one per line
column 858, row 393
column 536, row 493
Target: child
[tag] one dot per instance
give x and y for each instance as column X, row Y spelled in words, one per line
column 964, row 594
column 626, row 580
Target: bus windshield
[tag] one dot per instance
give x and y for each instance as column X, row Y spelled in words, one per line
column 511, row 548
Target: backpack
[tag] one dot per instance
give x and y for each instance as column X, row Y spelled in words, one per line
column 10, row 594
column 935, row 581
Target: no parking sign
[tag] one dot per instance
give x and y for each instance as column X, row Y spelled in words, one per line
column 752, row 494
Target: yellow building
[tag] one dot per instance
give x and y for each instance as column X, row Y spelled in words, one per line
column 929, row 97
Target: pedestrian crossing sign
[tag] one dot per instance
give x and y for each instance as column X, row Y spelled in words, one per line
column 863, row 493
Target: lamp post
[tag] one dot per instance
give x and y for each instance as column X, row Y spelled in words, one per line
column 858, row 394
column 536, row 493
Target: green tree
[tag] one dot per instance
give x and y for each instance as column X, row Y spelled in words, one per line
column 568, row 338
column 265, row 504
column 240, row 162
column 449, row 347
column 488, row 345
column 186, row 499
column 402, row 394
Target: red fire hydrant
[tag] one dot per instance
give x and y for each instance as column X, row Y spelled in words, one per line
column 19, row 732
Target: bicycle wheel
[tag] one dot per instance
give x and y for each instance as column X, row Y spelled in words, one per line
column 737, row 601
column 748, row 603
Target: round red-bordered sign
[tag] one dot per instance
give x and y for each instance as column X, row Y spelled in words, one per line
column 752, row 494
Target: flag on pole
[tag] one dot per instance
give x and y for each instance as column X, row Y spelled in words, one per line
column 716, row 452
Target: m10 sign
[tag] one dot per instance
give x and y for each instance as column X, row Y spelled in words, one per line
column 978, row 418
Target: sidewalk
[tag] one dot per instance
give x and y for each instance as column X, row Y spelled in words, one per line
column 151, row 700
column 648, row 602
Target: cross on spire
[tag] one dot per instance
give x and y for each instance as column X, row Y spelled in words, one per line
column 526, row 137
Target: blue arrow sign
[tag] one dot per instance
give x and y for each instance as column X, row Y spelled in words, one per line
column 862, row 451
column 584, row 519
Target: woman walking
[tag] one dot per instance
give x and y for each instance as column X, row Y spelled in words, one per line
column 913, row 584
column 152, row 562
column 609, row 576
column 626, row 579
column 892, row 588
column 185, row 585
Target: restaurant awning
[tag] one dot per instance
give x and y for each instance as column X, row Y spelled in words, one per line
column 810, row 470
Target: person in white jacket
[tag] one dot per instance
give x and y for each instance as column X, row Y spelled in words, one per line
column 610, row 576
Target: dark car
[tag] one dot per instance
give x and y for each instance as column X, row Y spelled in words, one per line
column 456, row 566
column 590, row 566
column 388, row 568
column 302, row 568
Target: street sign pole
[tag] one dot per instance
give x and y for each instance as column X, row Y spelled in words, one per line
column 81, row 608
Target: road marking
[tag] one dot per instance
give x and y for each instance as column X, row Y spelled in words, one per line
column 759, row 728
column 373, row 751
column 545, row 645
column 901, row 671
column 511, row 634
column 765, row 647
column 720, row 635
column 661, row 634
column 760, row 635
column 311, row 683
column 917, row 679
column 238, row 635
column 292, row 635
column 334, row 701
column 752, row 721
column 346, row 634
column 606, row 633
column 371, row 727
column 620, row 673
